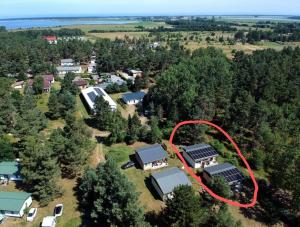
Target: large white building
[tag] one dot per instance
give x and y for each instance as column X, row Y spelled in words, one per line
column 90, row 94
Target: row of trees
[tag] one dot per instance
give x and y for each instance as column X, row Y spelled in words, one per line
column 282, row 32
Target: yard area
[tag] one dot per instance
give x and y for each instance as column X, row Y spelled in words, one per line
column 71, row 216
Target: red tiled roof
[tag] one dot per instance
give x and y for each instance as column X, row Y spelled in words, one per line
column 50, row 38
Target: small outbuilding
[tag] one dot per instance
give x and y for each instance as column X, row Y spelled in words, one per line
column 67, row 62
column 133, row 98
column 10, row 171
column 229, row 172
column 13, row 204
column 152, row 157
column 165, row 182
column 200, row 155
column 18, row 85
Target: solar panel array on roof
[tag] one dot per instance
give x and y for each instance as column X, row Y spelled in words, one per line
column 98, row 90
column 226, row 170
column 199, row 152
column 92, row 96
column 231, row 175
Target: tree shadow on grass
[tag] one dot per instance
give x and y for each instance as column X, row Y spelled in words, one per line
column 84, row 210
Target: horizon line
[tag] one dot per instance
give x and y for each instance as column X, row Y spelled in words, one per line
column 149, row 15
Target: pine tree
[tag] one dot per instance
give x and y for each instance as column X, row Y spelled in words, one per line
column 133, row 129
column 39, row 169
column 184, row 209
column 110, row 198
column 103, row 113
column 71, row 144
column 155, row 135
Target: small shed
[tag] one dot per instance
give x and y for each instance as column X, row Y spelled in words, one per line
column 165, row 182
column 133, row 98
column 200, row 155
column 13, row 204
column 152, row 157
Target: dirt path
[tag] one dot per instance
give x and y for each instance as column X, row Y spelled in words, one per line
column 98, row 153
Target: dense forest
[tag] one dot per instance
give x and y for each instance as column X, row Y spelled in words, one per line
column 256, row 97
column 132, row 53
column 26, row 52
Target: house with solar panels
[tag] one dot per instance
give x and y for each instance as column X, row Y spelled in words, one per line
column 152, row 157
column 165, row 182
column 200, row 155
column 230, row 173
column 133, row 98
column 90, row 94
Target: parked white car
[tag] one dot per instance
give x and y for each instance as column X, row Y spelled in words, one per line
column 31, row 214
column 49, row 221
column 58, row 210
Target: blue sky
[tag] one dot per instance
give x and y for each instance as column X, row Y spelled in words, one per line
column 40, row 8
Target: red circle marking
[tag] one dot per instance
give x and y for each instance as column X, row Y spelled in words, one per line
column 198, row 179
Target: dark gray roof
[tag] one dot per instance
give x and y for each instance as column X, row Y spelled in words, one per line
column 201, row 151
column 133, row 96
column 152, row 153
column 170, row 179
column 226, row 170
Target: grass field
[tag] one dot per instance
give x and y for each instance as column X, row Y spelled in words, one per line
column 119, row 27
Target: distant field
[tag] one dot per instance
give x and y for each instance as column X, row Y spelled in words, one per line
column 119, row 27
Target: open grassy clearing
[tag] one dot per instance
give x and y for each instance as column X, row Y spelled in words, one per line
column 119, row 35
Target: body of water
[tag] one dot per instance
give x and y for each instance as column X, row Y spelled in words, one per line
column 43, row 23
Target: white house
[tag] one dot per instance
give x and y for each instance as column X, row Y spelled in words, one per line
column 135, row 73
column 18, row 85
column 90, row 94
column 13, row 204
column 200, row 155
column 152, row 157
column 67, row 62
column 165, row 182
column 133, row 98
column 10, row 171
column 63, row 70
